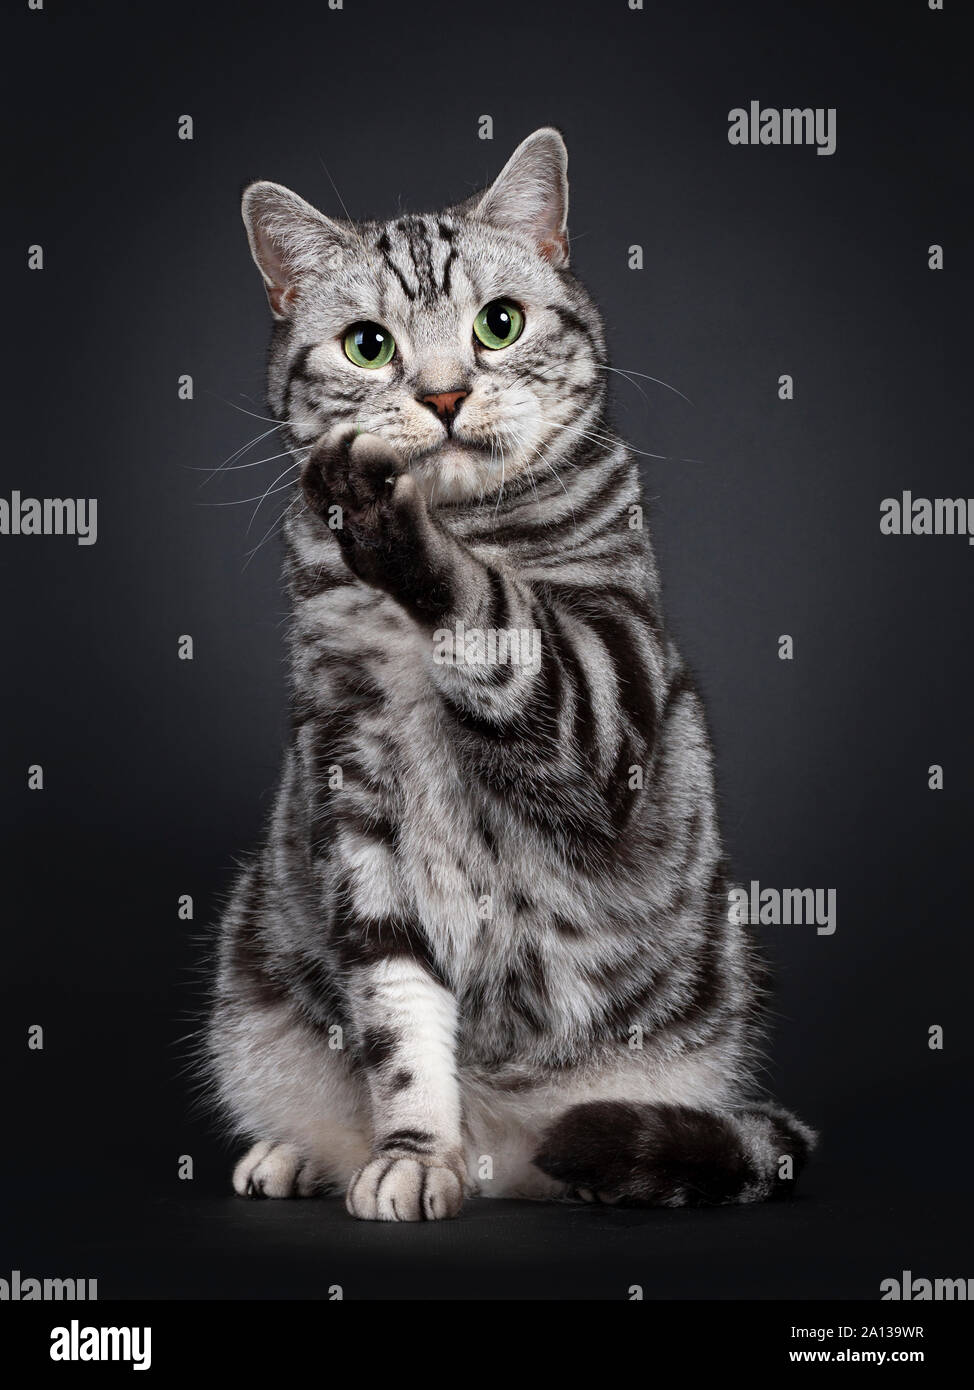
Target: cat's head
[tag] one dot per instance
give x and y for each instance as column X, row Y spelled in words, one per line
column 459, row 336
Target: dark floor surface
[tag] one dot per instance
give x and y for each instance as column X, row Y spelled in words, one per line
column 837, row 1241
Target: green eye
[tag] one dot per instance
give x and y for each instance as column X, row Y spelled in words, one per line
column 499, row 324
column 369, row 345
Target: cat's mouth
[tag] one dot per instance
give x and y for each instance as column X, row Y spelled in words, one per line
column 451, row 450
column 456, row 471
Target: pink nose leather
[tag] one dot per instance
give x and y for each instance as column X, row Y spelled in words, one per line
column 446, row 402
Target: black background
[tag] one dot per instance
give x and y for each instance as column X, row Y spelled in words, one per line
column 765, row 514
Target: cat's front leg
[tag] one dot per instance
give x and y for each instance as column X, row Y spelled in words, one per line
column 406, row 1024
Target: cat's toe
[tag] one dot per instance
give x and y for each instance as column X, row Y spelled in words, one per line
column 373, row 466
column 273, row 1170
column 250, row 1160
column 600, row 1198
column 404, row 1189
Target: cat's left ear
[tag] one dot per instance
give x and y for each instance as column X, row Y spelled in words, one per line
column 530, row 195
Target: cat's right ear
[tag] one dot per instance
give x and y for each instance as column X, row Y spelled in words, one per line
column 289, row 239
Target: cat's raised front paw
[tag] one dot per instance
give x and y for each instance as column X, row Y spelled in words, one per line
column 381, row 524
column 405, row 1188
column 357, row 473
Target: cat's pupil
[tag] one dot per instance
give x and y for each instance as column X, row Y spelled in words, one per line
column 498, row 320
column 369, row 341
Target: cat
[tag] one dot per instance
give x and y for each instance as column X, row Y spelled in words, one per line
column 486, row 946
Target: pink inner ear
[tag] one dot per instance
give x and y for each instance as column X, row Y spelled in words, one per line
column 555, row 249
column 281, row 298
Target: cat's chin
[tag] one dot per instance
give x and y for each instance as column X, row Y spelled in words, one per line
column 456, row 472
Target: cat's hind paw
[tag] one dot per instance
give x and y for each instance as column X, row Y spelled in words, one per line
column 273, row 1170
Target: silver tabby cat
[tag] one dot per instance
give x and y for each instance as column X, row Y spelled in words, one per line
column 486, row 946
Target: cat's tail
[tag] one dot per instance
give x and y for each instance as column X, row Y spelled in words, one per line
column 675, row 1156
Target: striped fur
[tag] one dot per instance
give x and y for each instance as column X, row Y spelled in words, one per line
column 490, row 898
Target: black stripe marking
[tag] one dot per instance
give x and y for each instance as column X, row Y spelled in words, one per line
column 384, row 248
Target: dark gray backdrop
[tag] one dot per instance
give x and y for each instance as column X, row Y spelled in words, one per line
column 758, row 262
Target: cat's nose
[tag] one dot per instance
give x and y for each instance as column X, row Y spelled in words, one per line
column 445, row 403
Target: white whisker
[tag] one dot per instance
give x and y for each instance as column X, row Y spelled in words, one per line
column 503, row 478
column 602, row 367
column 341, row 200
column 252, row 413
column 518, row 439
column 272, row 528
column 235, row 455
column 236, row 467
column 258, row 497
column 615, row 440
column 298, row 463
